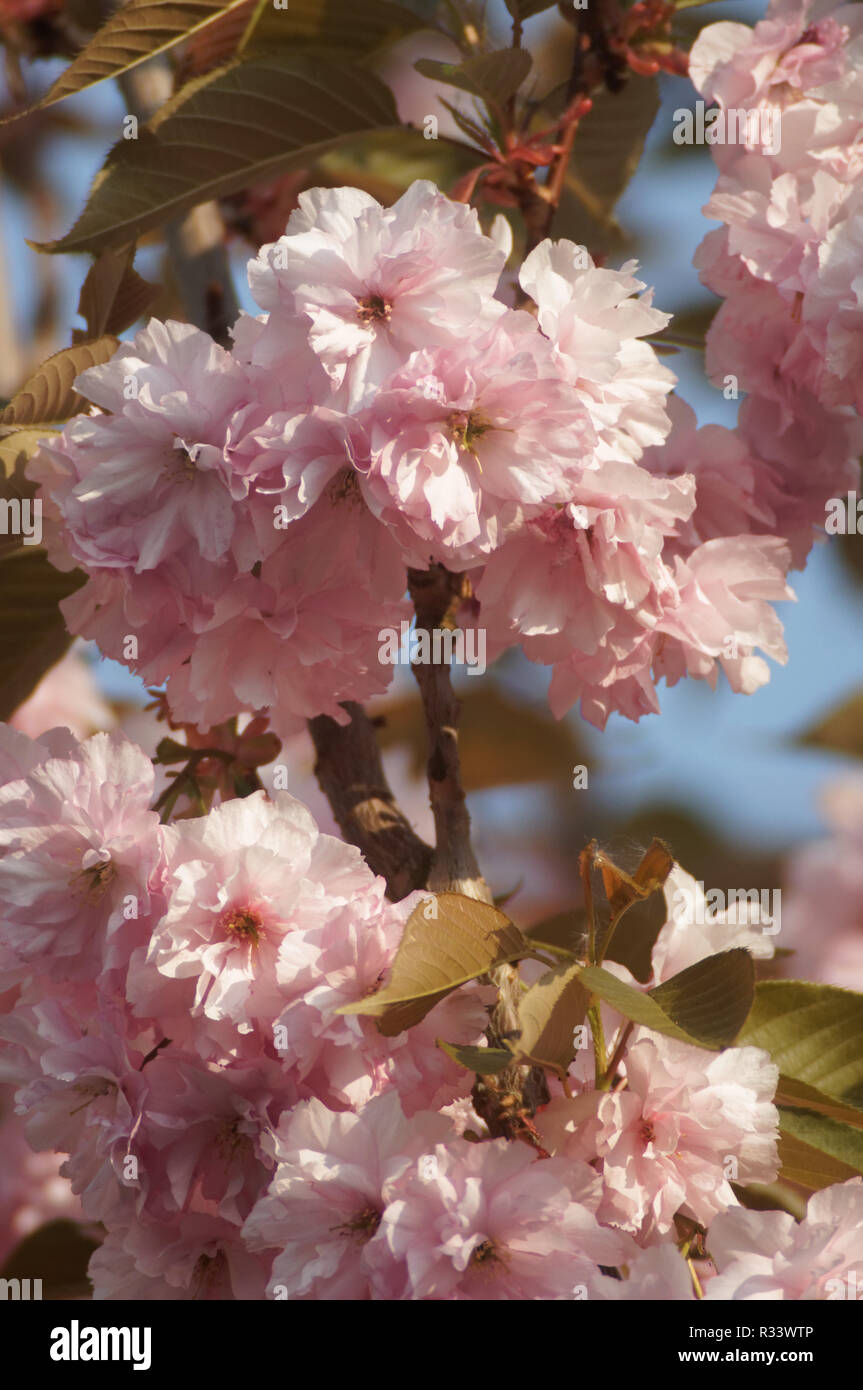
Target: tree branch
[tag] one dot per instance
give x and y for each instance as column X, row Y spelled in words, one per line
column 437, row 595
column 351, row 776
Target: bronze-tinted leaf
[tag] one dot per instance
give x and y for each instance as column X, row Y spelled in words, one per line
column 136, row 31
column 840, row 731
column 549, row 1013
column 485, row 1061
column 16, row 448
column 494, row 77
column 113, row 295
column 49, row 395
column 447, row 941
column 337, row 26
column 240, row 125
column 33, row 634
column 608, row 144
column 711, row 999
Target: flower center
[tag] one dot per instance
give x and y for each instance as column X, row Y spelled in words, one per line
column 362, row 1225
column 230, row 1142
column 244, row 924
column 374, row 309
column 466, row 427
column 180, row 465
column 486, row 1257
column 94, row 882
column 209, row 1273
column 648, row 1133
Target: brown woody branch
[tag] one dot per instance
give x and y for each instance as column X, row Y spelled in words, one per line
column 437, row 595
column 351, row 776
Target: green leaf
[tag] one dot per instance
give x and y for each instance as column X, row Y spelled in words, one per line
column 459, row 940
column 705, row 1005
column 807, row 1165
column 138, row 30
column 841, row 731
column 549, row 1013
column 494, row 77
column 711, row 999
column 485, row 1061
column 16, row 448
column 814, row 1033
column 338, row 26
column 114, row 295
column 796, row 1095
column 33, row 634
column 830, row 1137
column 609, row 142
column 48, row 394
column 242, row 124
column 632, row 1003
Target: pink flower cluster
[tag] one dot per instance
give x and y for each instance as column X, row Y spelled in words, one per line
column 786, row 260
column 246, row 518
column 172, row 991
column 822, row 919
column 172, row 1026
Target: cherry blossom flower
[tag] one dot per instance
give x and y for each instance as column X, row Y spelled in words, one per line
column 492, row 1221
column 335, row 1177
column 769, row 1255
column 668, row 1142
column 374, row 284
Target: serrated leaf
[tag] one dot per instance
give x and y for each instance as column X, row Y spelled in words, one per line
column 808, row 1166
column 48, row 394
column 459, row 940
column 339, row 26
column 814, row 1033
column 711, row 999
column 796, row 1095
column 609, row 142
column 138, row 30
column 485, row 1061
column 113, row 295
column 704, row 1005
column 549, row 1013
column 240, row 125
column 838, row 1141
column 841, row 731
column 33, row 634
column 494, row 77
column 632, row 1003
column 15, row 450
